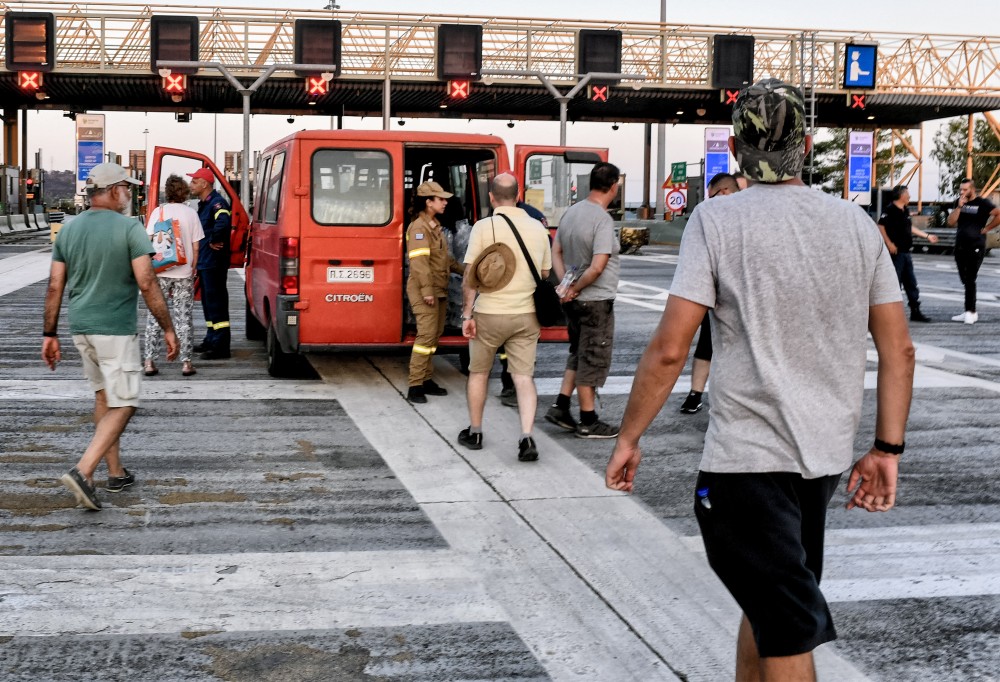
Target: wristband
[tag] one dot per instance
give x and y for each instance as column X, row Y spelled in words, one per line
column 889, row 448
column 50, row 335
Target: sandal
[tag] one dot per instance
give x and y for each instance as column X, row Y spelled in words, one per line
column 150, row 369
column 188, row 369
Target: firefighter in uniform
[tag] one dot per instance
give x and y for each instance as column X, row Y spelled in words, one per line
column 427, row 286
column 213, row 264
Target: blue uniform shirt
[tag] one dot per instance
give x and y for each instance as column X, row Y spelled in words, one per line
column 216, row 221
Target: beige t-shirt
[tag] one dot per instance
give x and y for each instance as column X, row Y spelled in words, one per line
column 516, row 297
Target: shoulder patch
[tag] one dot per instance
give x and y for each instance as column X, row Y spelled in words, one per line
column 418, row 235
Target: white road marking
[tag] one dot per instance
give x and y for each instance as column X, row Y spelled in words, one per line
column 135, row 594
column 24, row 269
column 907, row 562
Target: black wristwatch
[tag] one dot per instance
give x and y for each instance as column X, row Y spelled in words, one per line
column 51, row 335
column 889, row 448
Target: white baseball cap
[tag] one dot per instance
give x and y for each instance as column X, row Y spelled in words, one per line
column 106, row 174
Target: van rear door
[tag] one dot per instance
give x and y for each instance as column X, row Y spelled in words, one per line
column 351, row 248
column 555, row 178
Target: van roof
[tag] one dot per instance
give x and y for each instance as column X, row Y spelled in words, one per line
column 393, row 136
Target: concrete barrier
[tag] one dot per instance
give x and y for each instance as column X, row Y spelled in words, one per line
column 5, row 227
column 36, row 221
column 18, row 222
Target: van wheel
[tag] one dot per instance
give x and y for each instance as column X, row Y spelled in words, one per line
column 255, row 330
column 279, row 363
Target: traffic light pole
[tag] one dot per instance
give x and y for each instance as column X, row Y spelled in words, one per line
column 326, row 69
column 564, row 100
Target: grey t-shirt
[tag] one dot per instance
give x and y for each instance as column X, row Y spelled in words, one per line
column 585, row 229
column 790, row 273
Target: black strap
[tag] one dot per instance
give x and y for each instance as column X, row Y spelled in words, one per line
column 524, row 249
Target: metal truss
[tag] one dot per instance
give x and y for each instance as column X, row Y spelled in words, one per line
column 115, row 37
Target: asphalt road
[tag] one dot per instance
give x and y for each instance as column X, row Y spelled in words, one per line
column 323, row 529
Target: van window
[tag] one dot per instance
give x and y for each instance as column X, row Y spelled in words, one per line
column 258, row 209
column 351, row 187
column 553, row 184
column 274, row 189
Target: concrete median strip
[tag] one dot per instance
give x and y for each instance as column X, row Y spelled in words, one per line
column 592, row 581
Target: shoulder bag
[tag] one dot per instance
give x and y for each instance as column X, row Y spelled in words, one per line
column 548, row 309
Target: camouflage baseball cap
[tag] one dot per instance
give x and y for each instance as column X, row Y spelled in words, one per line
column 769, row 128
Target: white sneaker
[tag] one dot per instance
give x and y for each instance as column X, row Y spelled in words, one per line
column 959, row 318
column 971, row 318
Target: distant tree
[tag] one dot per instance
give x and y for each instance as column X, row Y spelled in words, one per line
column 950, row 150
column 831, row 160
column 60, row 187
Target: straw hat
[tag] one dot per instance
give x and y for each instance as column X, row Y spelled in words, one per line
column 493, row 268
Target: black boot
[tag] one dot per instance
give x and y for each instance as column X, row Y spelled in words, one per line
column 916, row 315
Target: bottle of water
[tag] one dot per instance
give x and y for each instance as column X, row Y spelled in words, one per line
column 567, row 282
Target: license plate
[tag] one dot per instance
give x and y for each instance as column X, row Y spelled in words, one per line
column 350, row 274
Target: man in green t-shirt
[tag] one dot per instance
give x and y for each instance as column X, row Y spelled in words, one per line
column 103, row 257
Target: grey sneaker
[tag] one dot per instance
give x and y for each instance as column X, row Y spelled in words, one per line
column 508, row 397
column 81, row 489
column 561, row 418
column 116, row 484
column 598, row 429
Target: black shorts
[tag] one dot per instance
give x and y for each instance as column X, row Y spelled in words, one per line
column 703, row 351
column 763, row 534
column 591, row 328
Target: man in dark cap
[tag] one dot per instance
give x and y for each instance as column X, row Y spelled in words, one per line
column 795, row 279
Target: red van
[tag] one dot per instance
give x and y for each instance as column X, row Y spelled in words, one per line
column 325, row 257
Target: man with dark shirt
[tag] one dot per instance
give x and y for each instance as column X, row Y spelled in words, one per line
column 974, row 216
column 897, row 232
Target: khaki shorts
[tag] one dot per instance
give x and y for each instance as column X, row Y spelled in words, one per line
column 518, row 334
column 112, row 364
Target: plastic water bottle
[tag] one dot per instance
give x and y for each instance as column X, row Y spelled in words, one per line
column 567, row 282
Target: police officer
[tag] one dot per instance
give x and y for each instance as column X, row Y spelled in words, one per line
column 213, row 264
column 427, row 286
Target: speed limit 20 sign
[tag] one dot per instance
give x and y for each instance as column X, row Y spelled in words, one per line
column 676, row 201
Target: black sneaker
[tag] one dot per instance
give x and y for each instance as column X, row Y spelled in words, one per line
column 83, row 491
column 116, row 484
column 692, row 403
column 430, row 388
column 596, row 430
column 508, row 397
column 473, row 441
column 561, row 418
column 526, row 450
column 416, row 394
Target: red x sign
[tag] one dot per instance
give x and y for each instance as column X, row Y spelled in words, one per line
column 599, row 93
column 459, row 89
column 175, row 83
column 316, row 85
column 857, row 101
column 731, row 96
column 29, row 80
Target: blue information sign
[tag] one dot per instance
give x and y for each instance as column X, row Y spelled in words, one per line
column 88, row 154
column 715, row 164
column 859, row 66
column 860, row 174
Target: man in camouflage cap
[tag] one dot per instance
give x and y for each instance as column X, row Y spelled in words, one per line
column 795, row 279
column 769, row 131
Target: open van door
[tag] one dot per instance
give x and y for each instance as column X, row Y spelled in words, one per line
column 555, row 178
column 167, row 162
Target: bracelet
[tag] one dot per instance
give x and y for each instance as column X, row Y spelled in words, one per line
column 50, row 335
column 466, row 319
column 889, row 448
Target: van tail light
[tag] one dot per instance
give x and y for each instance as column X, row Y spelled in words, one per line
column 288, row 265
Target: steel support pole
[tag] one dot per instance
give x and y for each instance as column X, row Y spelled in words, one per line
column 661, row 128
column 24, row 161
column 563, row 115
column 386, row 87
column 647, row 151
column 245, row 166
